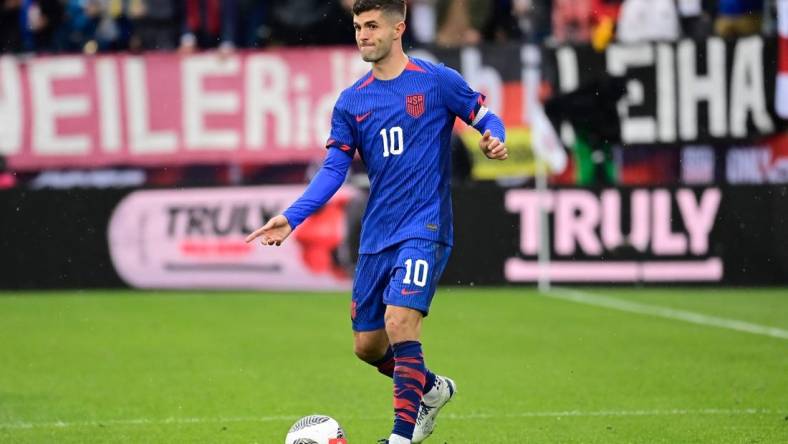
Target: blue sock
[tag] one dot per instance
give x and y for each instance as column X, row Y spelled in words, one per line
column 429, row 381
column 409, row 382
column 385, row 365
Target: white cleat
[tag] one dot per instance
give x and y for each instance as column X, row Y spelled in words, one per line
column 431, row 404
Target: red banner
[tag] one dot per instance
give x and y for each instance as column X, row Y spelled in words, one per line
column 261, row 107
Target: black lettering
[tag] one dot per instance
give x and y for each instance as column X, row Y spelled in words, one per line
column 229, row 226
column 196, row 220
column 173, row 218
column 212, row 218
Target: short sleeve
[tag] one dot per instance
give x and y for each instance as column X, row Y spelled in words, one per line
column 342, row 131
column 458, row 96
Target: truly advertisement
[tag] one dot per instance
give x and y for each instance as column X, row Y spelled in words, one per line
column 195, row 239
column 615, row 235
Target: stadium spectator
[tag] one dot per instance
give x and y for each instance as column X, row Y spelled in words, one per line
column 533, row 19
column 461, row 22
column 503, row 25
column 592, row 111
column 94, row 25
column 648, row 20
column 253, row 24
column 208, row 24
column 112, row 28
column 78, row 26
column 156, row 24
column 10, row 33
column 572, row 21
column 422, row 18
column 583, row 21
column 694, row 17
column 737, row 18
column 39, row 21
column 311, row 22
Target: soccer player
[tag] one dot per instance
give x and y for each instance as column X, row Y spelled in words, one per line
column 399, row 118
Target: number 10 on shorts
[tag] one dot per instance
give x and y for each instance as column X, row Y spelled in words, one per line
column 419, row 272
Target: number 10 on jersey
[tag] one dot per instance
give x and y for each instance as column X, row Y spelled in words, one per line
column 393, row 141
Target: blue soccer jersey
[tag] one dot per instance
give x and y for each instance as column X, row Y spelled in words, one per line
column 401, row 129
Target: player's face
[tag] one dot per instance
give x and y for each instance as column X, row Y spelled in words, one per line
column 375, row 34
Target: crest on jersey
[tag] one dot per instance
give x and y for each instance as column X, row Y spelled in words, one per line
column 414, row 104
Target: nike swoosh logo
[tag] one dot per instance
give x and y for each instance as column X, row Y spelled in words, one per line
column 362, row 118
column 409, row 292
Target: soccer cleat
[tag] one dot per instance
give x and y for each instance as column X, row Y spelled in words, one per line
column 388, row 441
column 394, row 439
column 444, row 390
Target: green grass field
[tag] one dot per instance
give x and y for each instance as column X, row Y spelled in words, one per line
column 137, row 367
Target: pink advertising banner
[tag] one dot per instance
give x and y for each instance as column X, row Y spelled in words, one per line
column 258, row 107
column 666, row 234
column 194, row 238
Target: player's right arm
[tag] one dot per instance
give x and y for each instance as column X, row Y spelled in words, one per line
column 322, row 187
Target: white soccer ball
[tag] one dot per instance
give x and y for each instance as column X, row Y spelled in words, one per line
column 316, row 429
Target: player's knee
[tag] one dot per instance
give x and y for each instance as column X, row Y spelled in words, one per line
column 401, row 328
column 367, row 351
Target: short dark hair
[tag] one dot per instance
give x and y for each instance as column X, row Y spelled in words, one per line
column 386, row 6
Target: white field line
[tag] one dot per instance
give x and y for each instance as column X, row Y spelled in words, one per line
column 456, row 417
column 583, row 297
column 614, row 413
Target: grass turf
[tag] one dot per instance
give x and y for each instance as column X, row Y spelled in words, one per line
column 242, row 367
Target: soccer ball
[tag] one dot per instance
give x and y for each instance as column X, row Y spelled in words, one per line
column 316, row 429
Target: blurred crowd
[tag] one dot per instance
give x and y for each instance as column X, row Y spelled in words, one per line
column 90, row 26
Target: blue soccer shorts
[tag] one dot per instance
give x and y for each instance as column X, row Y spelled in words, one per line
column 404, row 275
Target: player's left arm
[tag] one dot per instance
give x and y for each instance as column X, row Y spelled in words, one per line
column 468, row 105
column 493, row 141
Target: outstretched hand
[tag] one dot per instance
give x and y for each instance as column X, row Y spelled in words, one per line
column 274, row 232
column 492, row 147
